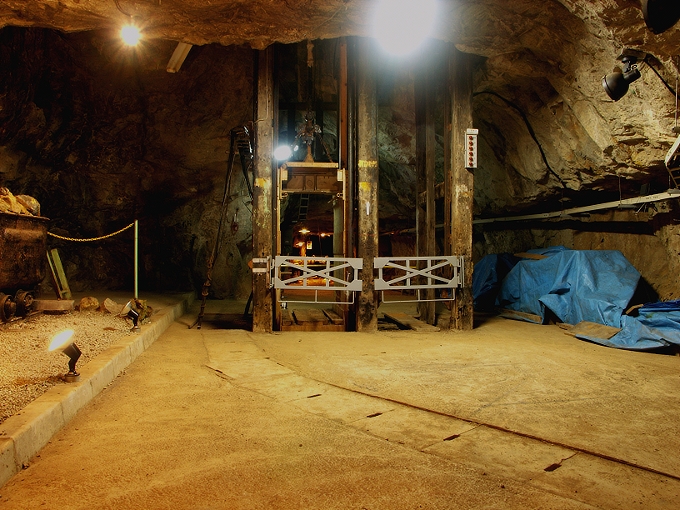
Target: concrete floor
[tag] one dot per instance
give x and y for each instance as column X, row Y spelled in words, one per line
column 509, row 415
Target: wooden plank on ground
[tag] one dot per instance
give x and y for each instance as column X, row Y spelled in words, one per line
column 53, row 305
column 58, row 275
column 514, row 314
column 309, row 315
column 332, row 316
column 286, row 317
column 410, row 322
column 592, row 329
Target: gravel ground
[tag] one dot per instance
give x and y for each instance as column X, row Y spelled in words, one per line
column 28, row 369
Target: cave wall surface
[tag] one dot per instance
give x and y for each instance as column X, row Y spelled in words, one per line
column 81, row 119
column 102, row 136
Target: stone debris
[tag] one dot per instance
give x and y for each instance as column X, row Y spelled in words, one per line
column 28, row 368
column 88, row 304
column 110, row 306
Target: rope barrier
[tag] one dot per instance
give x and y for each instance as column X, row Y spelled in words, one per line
column 93, row 238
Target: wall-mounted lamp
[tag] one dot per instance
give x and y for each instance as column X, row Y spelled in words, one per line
column 63, row 341
column 616, row 83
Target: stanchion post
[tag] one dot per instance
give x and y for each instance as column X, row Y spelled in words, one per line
column 136, row 259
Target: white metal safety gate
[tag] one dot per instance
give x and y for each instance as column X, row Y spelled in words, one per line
column 318, row 274
column 443, row 274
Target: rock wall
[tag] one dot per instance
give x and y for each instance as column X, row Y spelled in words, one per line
column 103, row 135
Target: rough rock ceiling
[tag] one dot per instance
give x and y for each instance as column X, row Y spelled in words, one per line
column 545, row 57
column 485, row 27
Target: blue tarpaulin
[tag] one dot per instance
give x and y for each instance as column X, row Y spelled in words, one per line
column 487, row 277
column 576, row 285
column 582, row 285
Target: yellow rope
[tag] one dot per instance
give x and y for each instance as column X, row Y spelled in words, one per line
column 94, row 238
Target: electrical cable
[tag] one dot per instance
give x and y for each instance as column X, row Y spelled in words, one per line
column 646, row 61
column 117, row 2
column 530, row 129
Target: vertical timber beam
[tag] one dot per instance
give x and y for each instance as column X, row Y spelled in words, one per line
column 343, row 138
column 459, row 182
column 262, row 190
column 425, row 179
column 367, row 195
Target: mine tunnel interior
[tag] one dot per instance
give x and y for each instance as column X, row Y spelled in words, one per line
column 101, row 134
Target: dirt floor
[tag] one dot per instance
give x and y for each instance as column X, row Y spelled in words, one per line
column 511, row 415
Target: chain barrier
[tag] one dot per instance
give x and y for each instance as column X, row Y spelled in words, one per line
column 93, row 238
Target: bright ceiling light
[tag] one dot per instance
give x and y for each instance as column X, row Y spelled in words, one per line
column 401, row 26
column 130, row 35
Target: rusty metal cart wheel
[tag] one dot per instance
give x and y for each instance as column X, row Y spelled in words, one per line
column 7, row 307
column 24, row 302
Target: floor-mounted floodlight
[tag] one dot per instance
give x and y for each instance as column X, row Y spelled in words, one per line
column 616, row 83
column 131, row 314
column 63, row 341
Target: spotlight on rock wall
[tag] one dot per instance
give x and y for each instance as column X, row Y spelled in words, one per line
column 616, row 83
column 660, row 15
column 63, row 341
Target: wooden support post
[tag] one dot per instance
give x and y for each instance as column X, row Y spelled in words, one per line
column 425, row 178
column 367, row 195
column 343, row 138
column 338, row 227
column 263, row 171
column 459, row 182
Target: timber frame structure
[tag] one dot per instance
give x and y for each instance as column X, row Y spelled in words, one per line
column 355, row 178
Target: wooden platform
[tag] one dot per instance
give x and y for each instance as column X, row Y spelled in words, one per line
column 311, row 319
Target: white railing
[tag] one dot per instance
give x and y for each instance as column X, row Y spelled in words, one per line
column 318, row 274
column 443, row 274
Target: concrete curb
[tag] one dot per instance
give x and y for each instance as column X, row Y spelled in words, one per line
column 23, row 435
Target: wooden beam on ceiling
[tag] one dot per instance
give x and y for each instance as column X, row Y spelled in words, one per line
column 178, row 57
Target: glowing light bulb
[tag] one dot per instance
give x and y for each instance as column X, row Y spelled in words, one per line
column 401, row 26
column 283, row 152
column 61, row 339
column 130, row 35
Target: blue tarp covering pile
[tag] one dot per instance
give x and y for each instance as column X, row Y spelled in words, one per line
column 578, row 285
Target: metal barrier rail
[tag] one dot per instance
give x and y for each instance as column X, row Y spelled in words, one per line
column 318, row 273
column 439, row 273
